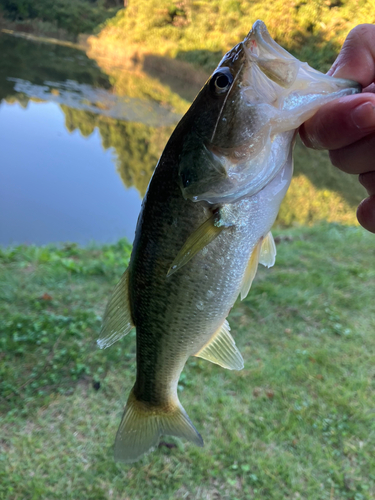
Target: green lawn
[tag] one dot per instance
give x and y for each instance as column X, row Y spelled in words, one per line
column 297, row 423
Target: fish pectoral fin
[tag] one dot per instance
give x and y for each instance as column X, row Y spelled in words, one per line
column 142, row 425
column 117, row 320
column 200, row 238
column 267, row 255
column 251, row 270
column 222, row 350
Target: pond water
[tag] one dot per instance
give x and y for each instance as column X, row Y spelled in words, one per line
column 56, row 185
column 68, row 159
column 79, row 144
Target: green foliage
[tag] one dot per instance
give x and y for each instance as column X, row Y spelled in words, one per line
column 75, row 16
column 198, row 30
column 296, row 423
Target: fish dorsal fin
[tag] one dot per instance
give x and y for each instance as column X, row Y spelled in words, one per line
column 222, row 350
column 251, row 270
column 200, row 238
column 267, row 255
column 117, row 320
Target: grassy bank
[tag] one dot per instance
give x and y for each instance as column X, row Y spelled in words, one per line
column 297, row 422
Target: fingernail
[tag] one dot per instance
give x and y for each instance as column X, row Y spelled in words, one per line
column 363, row 116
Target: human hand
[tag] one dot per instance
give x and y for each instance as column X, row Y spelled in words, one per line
column 346, row 126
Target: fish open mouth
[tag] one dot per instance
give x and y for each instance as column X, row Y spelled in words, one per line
column 276, row 77
column 270, row 95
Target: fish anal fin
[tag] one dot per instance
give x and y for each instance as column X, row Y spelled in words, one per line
column 222, row 350
column 142, row 425
column 267, row 255
column 117, row 320
column 251, row 270
column 200, row 238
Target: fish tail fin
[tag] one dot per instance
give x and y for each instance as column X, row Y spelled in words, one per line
column 142, row 425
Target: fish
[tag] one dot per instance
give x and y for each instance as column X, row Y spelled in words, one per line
column 205, row 225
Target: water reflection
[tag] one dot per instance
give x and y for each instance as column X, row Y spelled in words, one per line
column 85, row 97
column 57, row 186
column 67, row 129
column 137, row 146
column 60, row 141
column 38, row 62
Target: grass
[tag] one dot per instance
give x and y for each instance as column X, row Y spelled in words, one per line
column 297, row 422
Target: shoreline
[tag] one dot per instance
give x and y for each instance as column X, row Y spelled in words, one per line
column 135, row 58
column 43, row 39
column 130, row 58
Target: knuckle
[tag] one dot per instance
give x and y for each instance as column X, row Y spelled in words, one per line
column 361, row 36
column 357, row 35
column 322, row 132
column 362, row 31
column 314, row 132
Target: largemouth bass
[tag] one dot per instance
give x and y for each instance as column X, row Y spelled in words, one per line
column 205, row 225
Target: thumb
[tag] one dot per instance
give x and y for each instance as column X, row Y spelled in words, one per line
column 356, row 60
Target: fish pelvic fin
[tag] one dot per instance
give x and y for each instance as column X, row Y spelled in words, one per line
column 117, row 321
column 221, row 349
column 142, row 425
column 264, row 253
column 267, row 255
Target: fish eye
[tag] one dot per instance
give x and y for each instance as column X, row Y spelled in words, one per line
column 185, row 178
column 221, row 81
